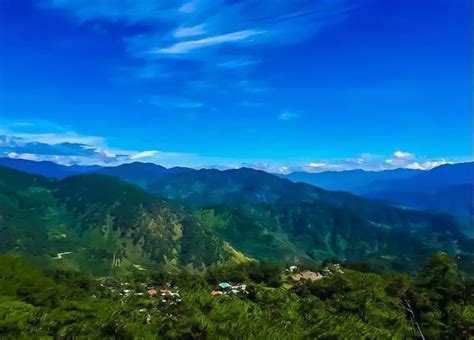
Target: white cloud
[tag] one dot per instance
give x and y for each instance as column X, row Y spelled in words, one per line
column 403, row 155
column 400, row 159
column 187, row 46
column 183, row 32
column 144, row 154
column 12, row 155
column 27, row 156
column 427, row 165
column 407, row 160
column 104, row 153
column 317, row 165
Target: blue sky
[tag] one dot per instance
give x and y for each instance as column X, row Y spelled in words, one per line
column 277, row 85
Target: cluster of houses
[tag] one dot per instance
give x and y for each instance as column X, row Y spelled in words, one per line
column 335, row 268
column 123, row 289
column 161, row 298
column 225, row 288
column 168, row 295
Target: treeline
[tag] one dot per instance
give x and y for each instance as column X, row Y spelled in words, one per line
column 437, row 303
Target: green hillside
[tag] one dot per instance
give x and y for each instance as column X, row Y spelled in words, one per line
column 272, row 218
column 100, row 225
column 309, row 232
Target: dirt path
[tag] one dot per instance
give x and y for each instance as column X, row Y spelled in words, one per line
column 60, row 255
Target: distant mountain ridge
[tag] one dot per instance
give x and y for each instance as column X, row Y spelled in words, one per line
column 447, row 188
column 136, row 172
column 46, row 168
column 141, row 174
column 442, row 176
column 355, row 181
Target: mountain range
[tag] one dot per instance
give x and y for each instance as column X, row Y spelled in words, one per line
column 46, row 168
column 182, row 216
column 355, row 181
column 447, row 188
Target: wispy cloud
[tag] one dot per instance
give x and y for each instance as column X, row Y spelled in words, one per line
column 238, row 63
column 218, row 42
column 317, row 165
column 187, row 46
column 172, row 27
column 184, row 32
column 288, row 115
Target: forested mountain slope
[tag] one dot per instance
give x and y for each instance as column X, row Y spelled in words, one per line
column 99, row 224
column 300, row 233
column 213, row 187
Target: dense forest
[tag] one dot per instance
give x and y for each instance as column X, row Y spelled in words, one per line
column 435, row 303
